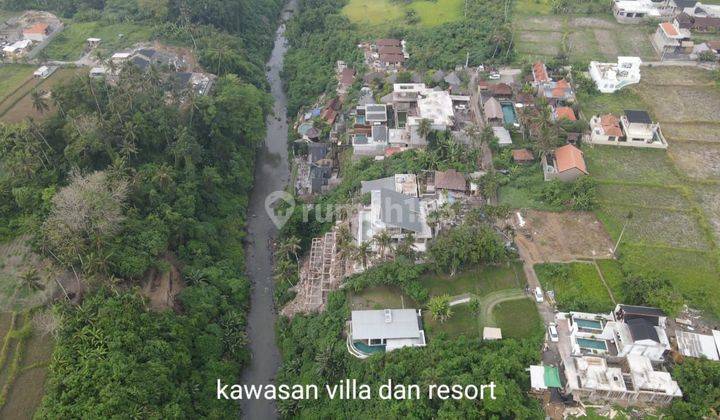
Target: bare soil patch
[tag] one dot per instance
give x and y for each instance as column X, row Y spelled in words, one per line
column 589, row 22
column 705, row 132
column 606, row 42
column 562, row 237
column 697, row 160
column 547, row 23
column 540, row 36
column 162, row 287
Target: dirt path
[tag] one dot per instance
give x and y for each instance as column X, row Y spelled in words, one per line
column 488, row 303
column 602, row 278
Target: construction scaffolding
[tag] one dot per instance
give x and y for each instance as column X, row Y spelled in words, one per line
column 319, row 275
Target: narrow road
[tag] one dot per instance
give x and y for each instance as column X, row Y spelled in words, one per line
column 271, row 174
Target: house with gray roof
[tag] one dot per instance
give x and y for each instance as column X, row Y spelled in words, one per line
column 374, row 331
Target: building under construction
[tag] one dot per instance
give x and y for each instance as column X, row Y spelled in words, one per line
column 320, row 274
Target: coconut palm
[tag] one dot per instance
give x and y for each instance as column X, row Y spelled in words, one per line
column 290, row 246
column 39, row 102
column 424, row 128
column 383, row 241
column 30, row 279
column 362, row 253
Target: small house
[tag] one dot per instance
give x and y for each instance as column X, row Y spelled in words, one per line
column 672, row 42
column 522, row 156
column 492, row 334
column 566, row 164
column 43, row 72
column 493, row 112
column 384, row 330
column 450, row 180
column 500, row 90
column 540, row 74
column 564, row 113
column 17, row 49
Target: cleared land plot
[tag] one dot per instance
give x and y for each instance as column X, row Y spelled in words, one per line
column 676, row 76
column 709, row 198
column 517, row 318
column 24, row 108
column 381, row 297
column 707, row 132
column 384, row 13
column 540, row 36
column 479, row 281
column 463, row 322
column 682, row 103
column 607, row 40
column 537, row 49
column 656, row 227
column 12, row 76
column 563, row 236
column 577, row 286
column 612, row 103
column 697, row 160
column 643, row 196
column 582, row 45
column 630, row 165
column 70, row 44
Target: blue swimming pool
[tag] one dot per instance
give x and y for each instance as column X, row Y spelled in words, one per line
column 360, row 119
column 509, row 115
column 589, row 324
column 592, row 344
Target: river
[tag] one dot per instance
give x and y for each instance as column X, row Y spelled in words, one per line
column 271, row 174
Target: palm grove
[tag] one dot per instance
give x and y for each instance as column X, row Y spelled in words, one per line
column 125, row 179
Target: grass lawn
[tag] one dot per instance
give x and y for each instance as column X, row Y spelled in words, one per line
column 381, row 297
column 463, row 322
column 631, row 165
column 12, row 75
column 70, row 43
column 517, row 318
column 520, row 192
column 532, row 7
column 387, row 14
column 577, row 286
column 610, row 103
column 480, row 281
column 613, row 277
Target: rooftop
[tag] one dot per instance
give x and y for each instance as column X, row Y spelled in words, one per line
column 568, row 157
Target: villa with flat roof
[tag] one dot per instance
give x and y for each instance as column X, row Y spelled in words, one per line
column 374, row 331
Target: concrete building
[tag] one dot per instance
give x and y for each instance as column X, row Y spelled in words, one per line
column 639, row 129
column 611, row 77
column 672, row 42
column 373, row 331
column 566, row 164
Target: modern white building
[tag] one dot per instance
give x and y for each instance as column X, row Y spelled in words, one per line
column 611, row 77
column 634, row 11
column 373, row 331
column 610, row 130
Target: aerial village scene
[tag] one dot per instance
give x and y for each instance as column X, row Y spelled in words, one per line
column 558, row 202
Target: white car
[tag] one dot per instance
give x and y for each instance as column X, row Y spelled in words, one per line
column 494, row 76
column 552, row 332
column 539, row 295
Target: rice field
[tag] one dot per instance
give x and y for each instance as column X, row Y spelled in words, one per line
column 389, row 14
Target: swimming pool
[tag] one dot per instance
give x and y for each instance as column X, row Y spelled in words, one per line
column 360, row 120
column 589, row 324
column 591, row 344
column 508, row 113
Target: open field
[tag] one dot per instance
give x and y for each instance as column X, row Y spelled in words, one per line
column 517, row 318
column 22, row 107
column 463, row 322
column 380, row 297
column 384, row 13
column 566, row 236
column 542, row 35
column 12, row 76
column 479, row 281
column 577, row 286
column 70, row 44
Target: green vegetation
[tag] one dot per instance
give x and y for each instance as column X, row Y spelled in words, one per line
column 577, row 286
column 11, row 77
column 465, row 246
column 387, row 14
column 463, row 322
column 700, row 381
column 70, row 44
column 479, row 281
column 517, row 318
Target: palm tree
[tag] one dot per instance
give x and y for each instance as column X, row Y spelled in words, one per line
column 405, row 247
column 31, row 280
column 362, row 253
column 439, row 307
column 291, row 246
column 424, row 128
column 39, row 102
column 383, row 241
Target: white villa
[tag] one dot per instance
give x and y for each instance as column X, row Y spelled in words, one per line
column 633, row 129
column 634, row 11
column 384, row 330
column 611, row 77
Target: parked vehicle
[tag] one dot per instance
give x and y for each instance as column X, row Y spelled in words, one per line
column 539, row 295
column 552, row 333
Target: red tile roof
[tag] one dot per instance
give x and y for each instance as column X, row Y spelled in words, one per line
column 669, row 29
column 568, row 157
column 522, row 155
column 390, row 49
column 611, row 125
column 387, row 42
column 565, row 112
column 392, row 58
column 500, row 89
column 540, row 72
column 347, row 76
